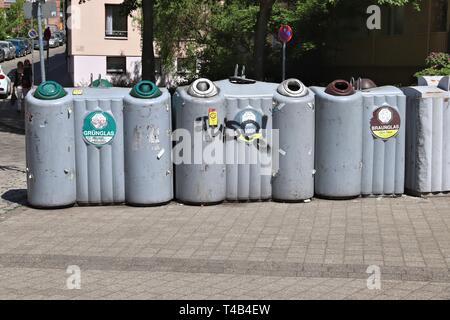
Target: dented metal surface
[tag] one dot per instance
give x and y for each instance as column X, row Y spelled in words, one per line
column 428, row 140
column 294, row 121
column 339, row 143
column 147, row 127
column 50, row 152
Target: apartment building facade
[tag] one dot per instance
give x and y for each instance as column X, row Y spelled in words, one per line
column 105, row 42
column 102, row 41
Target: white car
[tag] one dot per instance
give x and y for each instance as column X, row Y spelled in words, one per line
column 5, row 46
column 5, row 85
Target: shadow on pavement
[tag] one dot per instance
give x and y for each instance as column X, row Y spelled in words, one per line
column 56, row 70
column 10, row 120
column 18, row 196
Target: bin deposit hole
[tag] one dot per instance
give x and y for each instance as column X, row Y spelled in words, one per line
column 294, row 86
column 203, row 86
column 341, row 85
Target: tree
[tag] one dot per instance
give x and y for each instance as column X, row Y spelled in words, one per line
column 265, row 10
column 12, row 21
column 148, row 52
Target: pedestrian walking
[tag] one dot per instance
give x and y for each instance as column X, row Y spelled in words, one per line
column 17, row 92
column 27, row 80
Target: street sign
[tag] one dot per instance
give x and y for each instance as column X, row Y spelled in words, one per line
column 285, row 33
column 30, row 10
column 32, row 34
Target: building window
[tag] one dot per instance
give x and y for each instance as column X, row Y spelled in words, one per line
column 116, row 65
column 116, row 21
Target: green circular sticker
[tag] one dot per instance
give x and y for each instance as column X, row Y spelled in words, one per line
column 99, row 128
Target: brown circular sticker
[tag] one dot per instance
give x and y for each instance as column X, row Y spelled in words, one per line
column 385, row 123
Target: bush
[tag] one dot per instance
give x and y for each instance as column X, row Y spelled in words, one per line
column 438, row 64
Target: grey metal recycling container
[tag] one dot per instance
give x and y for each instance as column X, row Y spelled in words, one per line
column 383, row 170
column 293, row 122
column 50, row 147
column 427, row 140
column 99, row 145
column 148, row 145
column 200, row 176
column 248, row 141
column 339, row 141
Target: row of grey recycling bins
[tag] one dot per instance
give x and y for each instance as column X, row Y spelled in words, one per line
column 234, row 140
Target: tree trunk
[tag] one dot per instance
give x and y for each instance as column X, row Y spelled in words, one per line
column 265, row 10
column 148, row 54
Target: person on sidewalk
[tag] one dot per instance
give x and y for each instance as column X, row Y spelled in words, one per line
column 17, row 92
column 27, row 80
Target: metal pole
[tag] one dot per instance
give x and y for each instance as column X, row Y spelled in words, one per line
column 32, row 54
column 284, row 61
column 41, row 41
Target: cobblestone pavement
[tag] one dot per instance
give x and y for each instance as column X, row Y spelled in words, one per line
column 23, row 283
column 12, row 172
column 319, row 250
column 283, row 246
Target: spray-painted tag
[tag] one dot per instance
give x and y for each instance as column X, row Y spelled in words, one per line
column 77, row 92
column 213, row 118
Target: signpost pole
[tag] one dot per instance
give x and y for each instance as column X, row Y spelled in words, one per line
column 41, row 41
column 285, row 35
column 284, row 61
column 32, row 55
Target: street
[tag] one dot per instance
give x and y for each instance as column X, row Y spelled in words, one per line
column 56, row 67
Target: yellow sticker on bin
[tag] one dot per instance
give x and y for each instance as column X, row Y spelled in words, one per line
column 213, row 119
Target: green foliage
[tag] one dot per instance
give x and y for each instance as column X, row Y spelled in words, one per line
column 13, row 22
column 437, row 64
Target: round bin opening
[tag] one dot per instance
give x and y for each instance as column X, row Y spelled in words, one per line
column 145, row 90
column 294, row 86
column 203, row 86
column 341, row 85
column 340, row 88
column 49, row 90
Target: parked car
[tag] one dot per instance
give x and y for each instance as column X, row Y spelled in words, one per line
column 27, row 44
column 36, row 45
column 2, row 55
column 5, row 85
column 54, row 41
column 20, row 47
column 61, row 37
column 9, row 49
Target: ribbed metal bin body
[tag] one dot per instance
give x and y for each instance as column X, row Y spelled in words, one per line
column 427, row 140
column 100, row 169
column 249, row 165
column 294, row 120
column 148, row 150
column 383, row 171
column 50, row 152
column 197, row 180
column 339, row 141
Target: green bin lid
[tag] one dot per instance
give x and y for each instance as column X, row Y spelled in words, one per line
column 101, row 83
column 145, row 90
column 49, row 90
